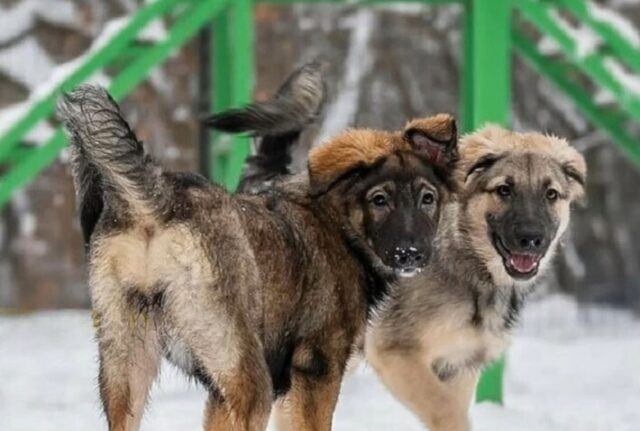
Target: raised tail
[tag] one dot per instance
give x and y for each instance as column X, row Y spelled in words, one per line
column 277, row 124
column 109, row 164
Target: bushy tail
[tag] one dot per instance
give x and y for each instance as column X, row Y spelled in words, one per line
column 276, row 123
column 108, row 161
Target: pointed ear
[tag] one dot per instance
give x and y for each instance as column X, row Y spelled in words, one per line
column 435, row 137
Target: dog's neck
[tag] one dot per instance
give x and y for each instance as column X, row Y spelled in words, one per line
column 497, row 305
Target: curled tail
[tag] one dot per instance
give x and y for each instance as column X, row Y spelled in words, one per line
column 277, row 124
column 109, row 164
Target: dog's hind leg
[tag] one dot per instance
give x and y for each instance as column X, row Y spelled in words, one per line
column 245, row 405
column 240, row 395
column 226, row 357
column 129, row 359
column 281, row 415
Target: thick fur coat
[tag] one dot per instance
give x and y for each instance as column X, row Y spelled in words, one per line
column 255, row 297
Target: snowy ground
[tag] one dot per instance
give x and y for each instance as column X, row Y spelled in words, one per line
column 564, row 374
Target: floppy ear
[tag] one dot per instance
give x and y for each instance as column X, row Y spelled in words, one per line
column 575, row 169
column 435, row 137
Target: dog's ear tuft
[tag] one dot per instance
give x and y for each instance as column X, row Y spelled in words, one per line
column 435, row 137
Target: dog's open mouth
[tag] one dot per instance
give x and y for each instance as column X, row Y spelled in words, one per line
column 518, row 265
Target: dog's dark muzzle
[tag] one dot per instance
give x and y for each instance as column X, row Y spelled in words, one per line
column 409, row 261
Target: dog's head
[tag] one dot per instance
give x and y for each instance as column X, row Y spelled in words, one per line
column 515, row 194
column 387, row 189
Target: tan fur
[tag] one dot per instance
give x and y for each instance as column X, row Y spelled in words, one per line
column 440, row 126
column 428, row 323
column 358, row 146
column 363, row 147
column 493, row 139
column 406, row 372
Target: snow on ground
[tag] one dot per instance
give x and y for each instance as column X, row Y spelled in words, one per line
column 20, row 18
column 616, row 21
column 565, row 373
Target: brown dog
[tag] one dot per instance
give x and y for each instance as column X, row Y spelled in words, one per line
column 254, row 296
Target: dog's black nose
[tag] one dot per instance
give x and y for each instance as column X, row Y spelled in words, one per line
column 408, row 258
column 529, row 238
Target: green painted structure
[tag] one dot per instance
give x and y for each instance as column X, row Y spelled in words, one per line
column 493, row 29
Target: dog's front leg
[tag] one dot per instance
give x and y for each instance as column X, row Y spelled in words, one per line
column 406, row 372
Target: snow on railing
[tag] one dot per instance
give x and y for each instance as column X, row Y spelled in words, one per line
column 616, row 70
column 115, row 37
column 116, row 41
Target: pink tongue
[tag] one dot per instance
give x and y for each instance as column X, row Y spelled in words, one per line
column 523, row 262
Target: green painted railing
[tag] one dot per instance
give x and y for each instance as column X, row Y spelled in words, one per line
column 604, row 64
column 134, row 61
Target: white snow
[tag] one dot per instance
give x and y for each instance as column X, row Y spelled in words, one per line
column 564, row 105
column 26, row 62
column 341, row 111
column 38, row 134
column 622, row 3
column 155, row 31
column 403, row 8
column 548, row 46
column 586, row 41
column 564, row 373
column 19, row 19
column 614, row 19
column 604, row 97
column 29, row 64
column 182, row 113
column 630, row 81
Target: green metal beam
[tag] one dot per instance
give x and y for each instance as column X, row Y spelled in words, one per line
column 603, row 119
column 360, row 2
column 486, row 90
column 98, row 59
column 233, row 67
column 615, row 40
column 592, row 64
column 183, row 29
column 221, row 93
column 242, row 81
column 486, row 71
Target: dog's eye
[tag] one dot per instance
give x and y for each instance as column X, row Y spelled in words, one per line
column 552, row 194
column 379, row 200
column 428, row 198
column 504, row 190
